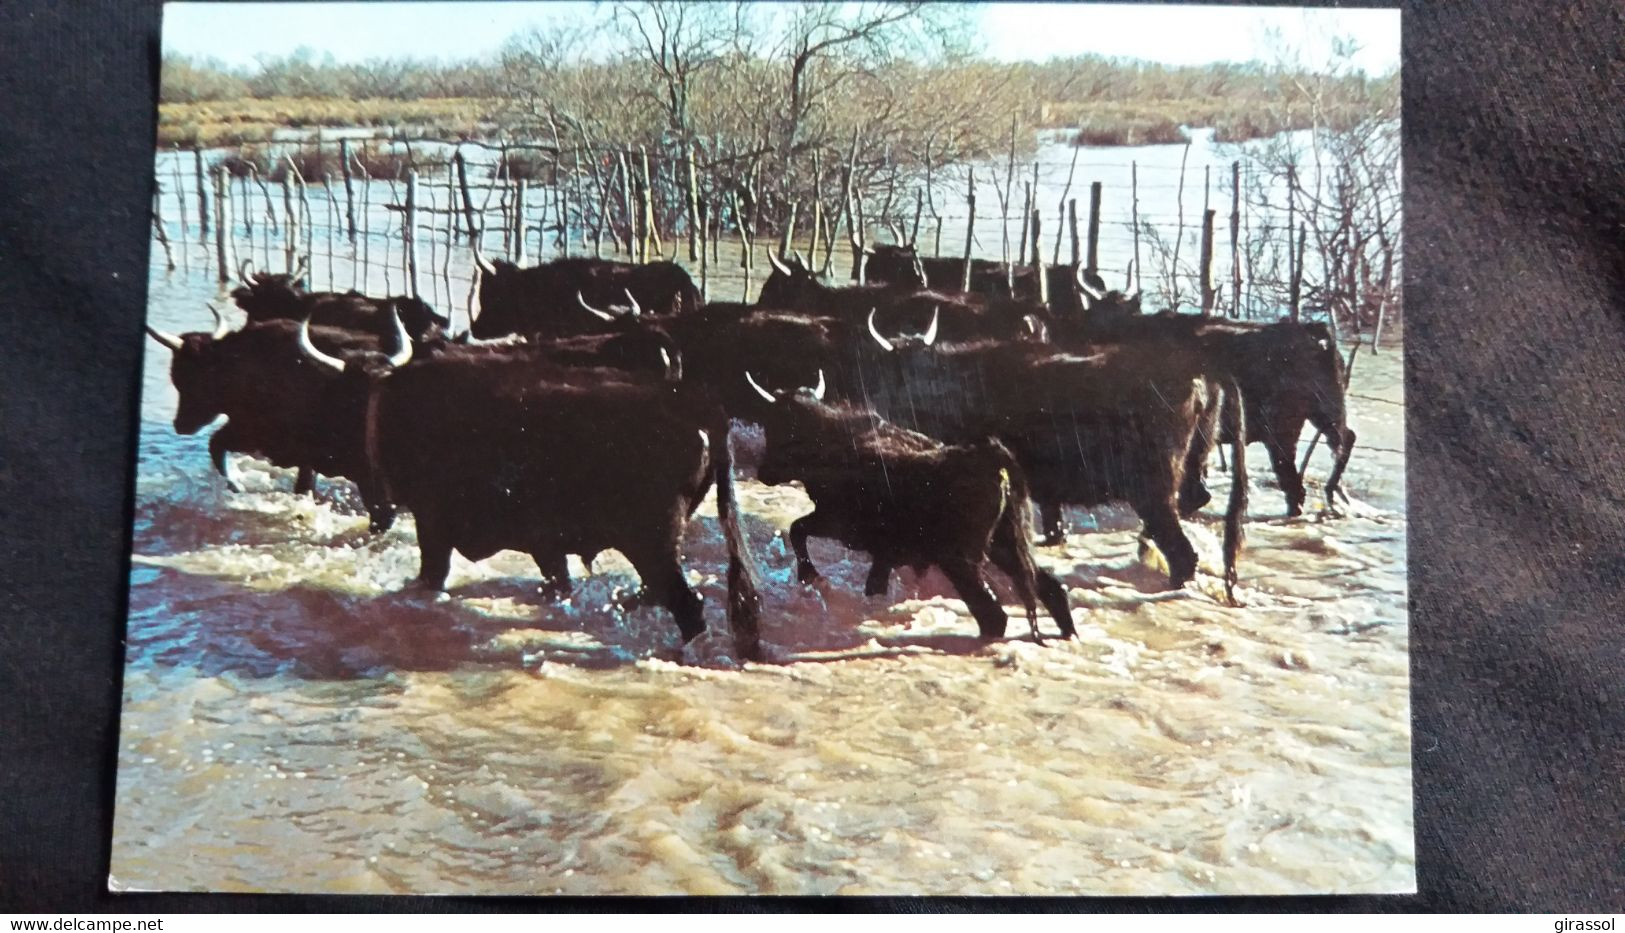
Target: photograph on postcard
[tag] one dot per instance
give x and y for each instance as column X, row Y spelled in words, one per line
column 771, row 448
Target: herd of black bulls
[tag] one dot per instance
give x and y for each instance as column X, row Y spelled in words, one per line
column 589, row 408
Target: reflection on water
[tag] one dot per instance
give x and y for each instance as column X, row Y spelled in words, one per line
column 296, row 718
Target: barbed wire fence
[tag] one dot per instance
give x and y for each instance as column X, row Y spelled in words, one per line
column 404, row 216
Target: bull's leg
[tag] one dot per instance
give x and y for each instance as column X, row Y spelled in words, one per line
column 1162, row 524
column 1049, row 517
column 815, row 524
column 221, row 443
column 434, row 554
column 665, row 585
column 1022, row 573
column 1053, row 596
column 966, row 576
column 879, row 579
column 305, row 482
column 380, row 517
column 1282, row 443
column 555, row 568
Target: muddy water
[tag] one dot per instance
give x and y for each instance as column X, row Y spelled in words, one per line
column 293, row 721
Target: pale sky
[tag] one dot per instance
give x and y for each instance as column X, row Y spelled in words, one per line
column 240, row 33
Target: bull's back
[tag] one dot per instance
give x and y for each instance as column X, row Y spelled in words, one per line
column 505, row 447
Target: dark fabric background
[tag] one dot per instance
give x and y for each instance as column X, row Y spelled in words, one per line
column 1515, row 178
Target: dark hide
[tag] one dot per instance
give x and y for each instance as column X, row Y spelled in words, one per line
column 908, row 500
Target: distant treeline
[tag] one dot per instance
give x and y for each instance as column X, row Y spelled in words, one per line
column 1108, row 102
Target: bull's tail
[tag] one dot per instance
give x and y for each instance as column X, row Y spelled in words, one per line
column 1330, row 418
column 1013, row 532
column 1234, row 419
column 744, row 579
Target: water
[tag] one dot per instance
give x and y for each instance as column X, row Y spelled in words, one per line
column 293, row 721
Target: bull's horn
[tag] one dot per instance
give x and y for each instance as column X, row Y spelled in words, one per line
column 403, row 342
column 818, row 390
column 603, row 315
column 930, row 335
column 633, row 303
column 771, row 398
column 1132, row 296
column 300, row 268
column 314, row 355
column 1086, row 288
column 243, row 270
column 777, row 264
column 868, row 251
column 484, row 265
column 171, row 342
column 800, row 259
column 1031, row 324
column 875, row 332
column 221, row 328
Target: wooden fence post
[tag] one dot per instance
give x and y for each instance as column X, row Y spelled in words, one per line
column 970, row 228
column 290, row 223
column 1134, row 192
column 1235, row 238
column 1072, row 228
column 1026, row 227
column 1207, row 262
column 409, row 232
column 1038, row 259
column 651, row 230
column 349, row 191
column 1093, row 255
column 468, row 200
column 221, row 264
column 1297, row 271
column 788, row 234
column 702, row 212
column 519, row 233
column 696, row 215
column 202, row 199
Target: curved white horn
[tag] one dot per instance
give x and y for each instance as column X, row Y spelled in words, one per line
column 484, row 265
column 221, row 328
column 314, row 355
column 800, row 259
column 242, row 270
column 875, row 332
column 1031, row 324
column 636, row 310
column 771, row 398
column 403, row 342
column 818, row 390
column 930, row 335
column 1132, row 296
column 604, row 315
column 778, row 265
column 171, row 342
column 1086, row 288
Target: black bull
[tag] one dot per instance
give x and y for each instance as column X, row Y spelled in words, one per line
column 545, row 300
column 1289, row 373
column 1118, row 425
column 277, row 297
column 908, row 500
column 492, row 452
column 270, row 396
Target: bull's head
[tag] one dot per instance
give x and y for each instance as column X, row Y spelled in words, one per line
column 613, row 314
column 192, row 374
column 773, row 397
column 401, row 356
column 1103, row 304
column 923, row 339
column 789, row 284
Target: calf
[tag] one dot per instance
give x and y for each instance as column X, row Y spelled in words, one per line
column 907, row 500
